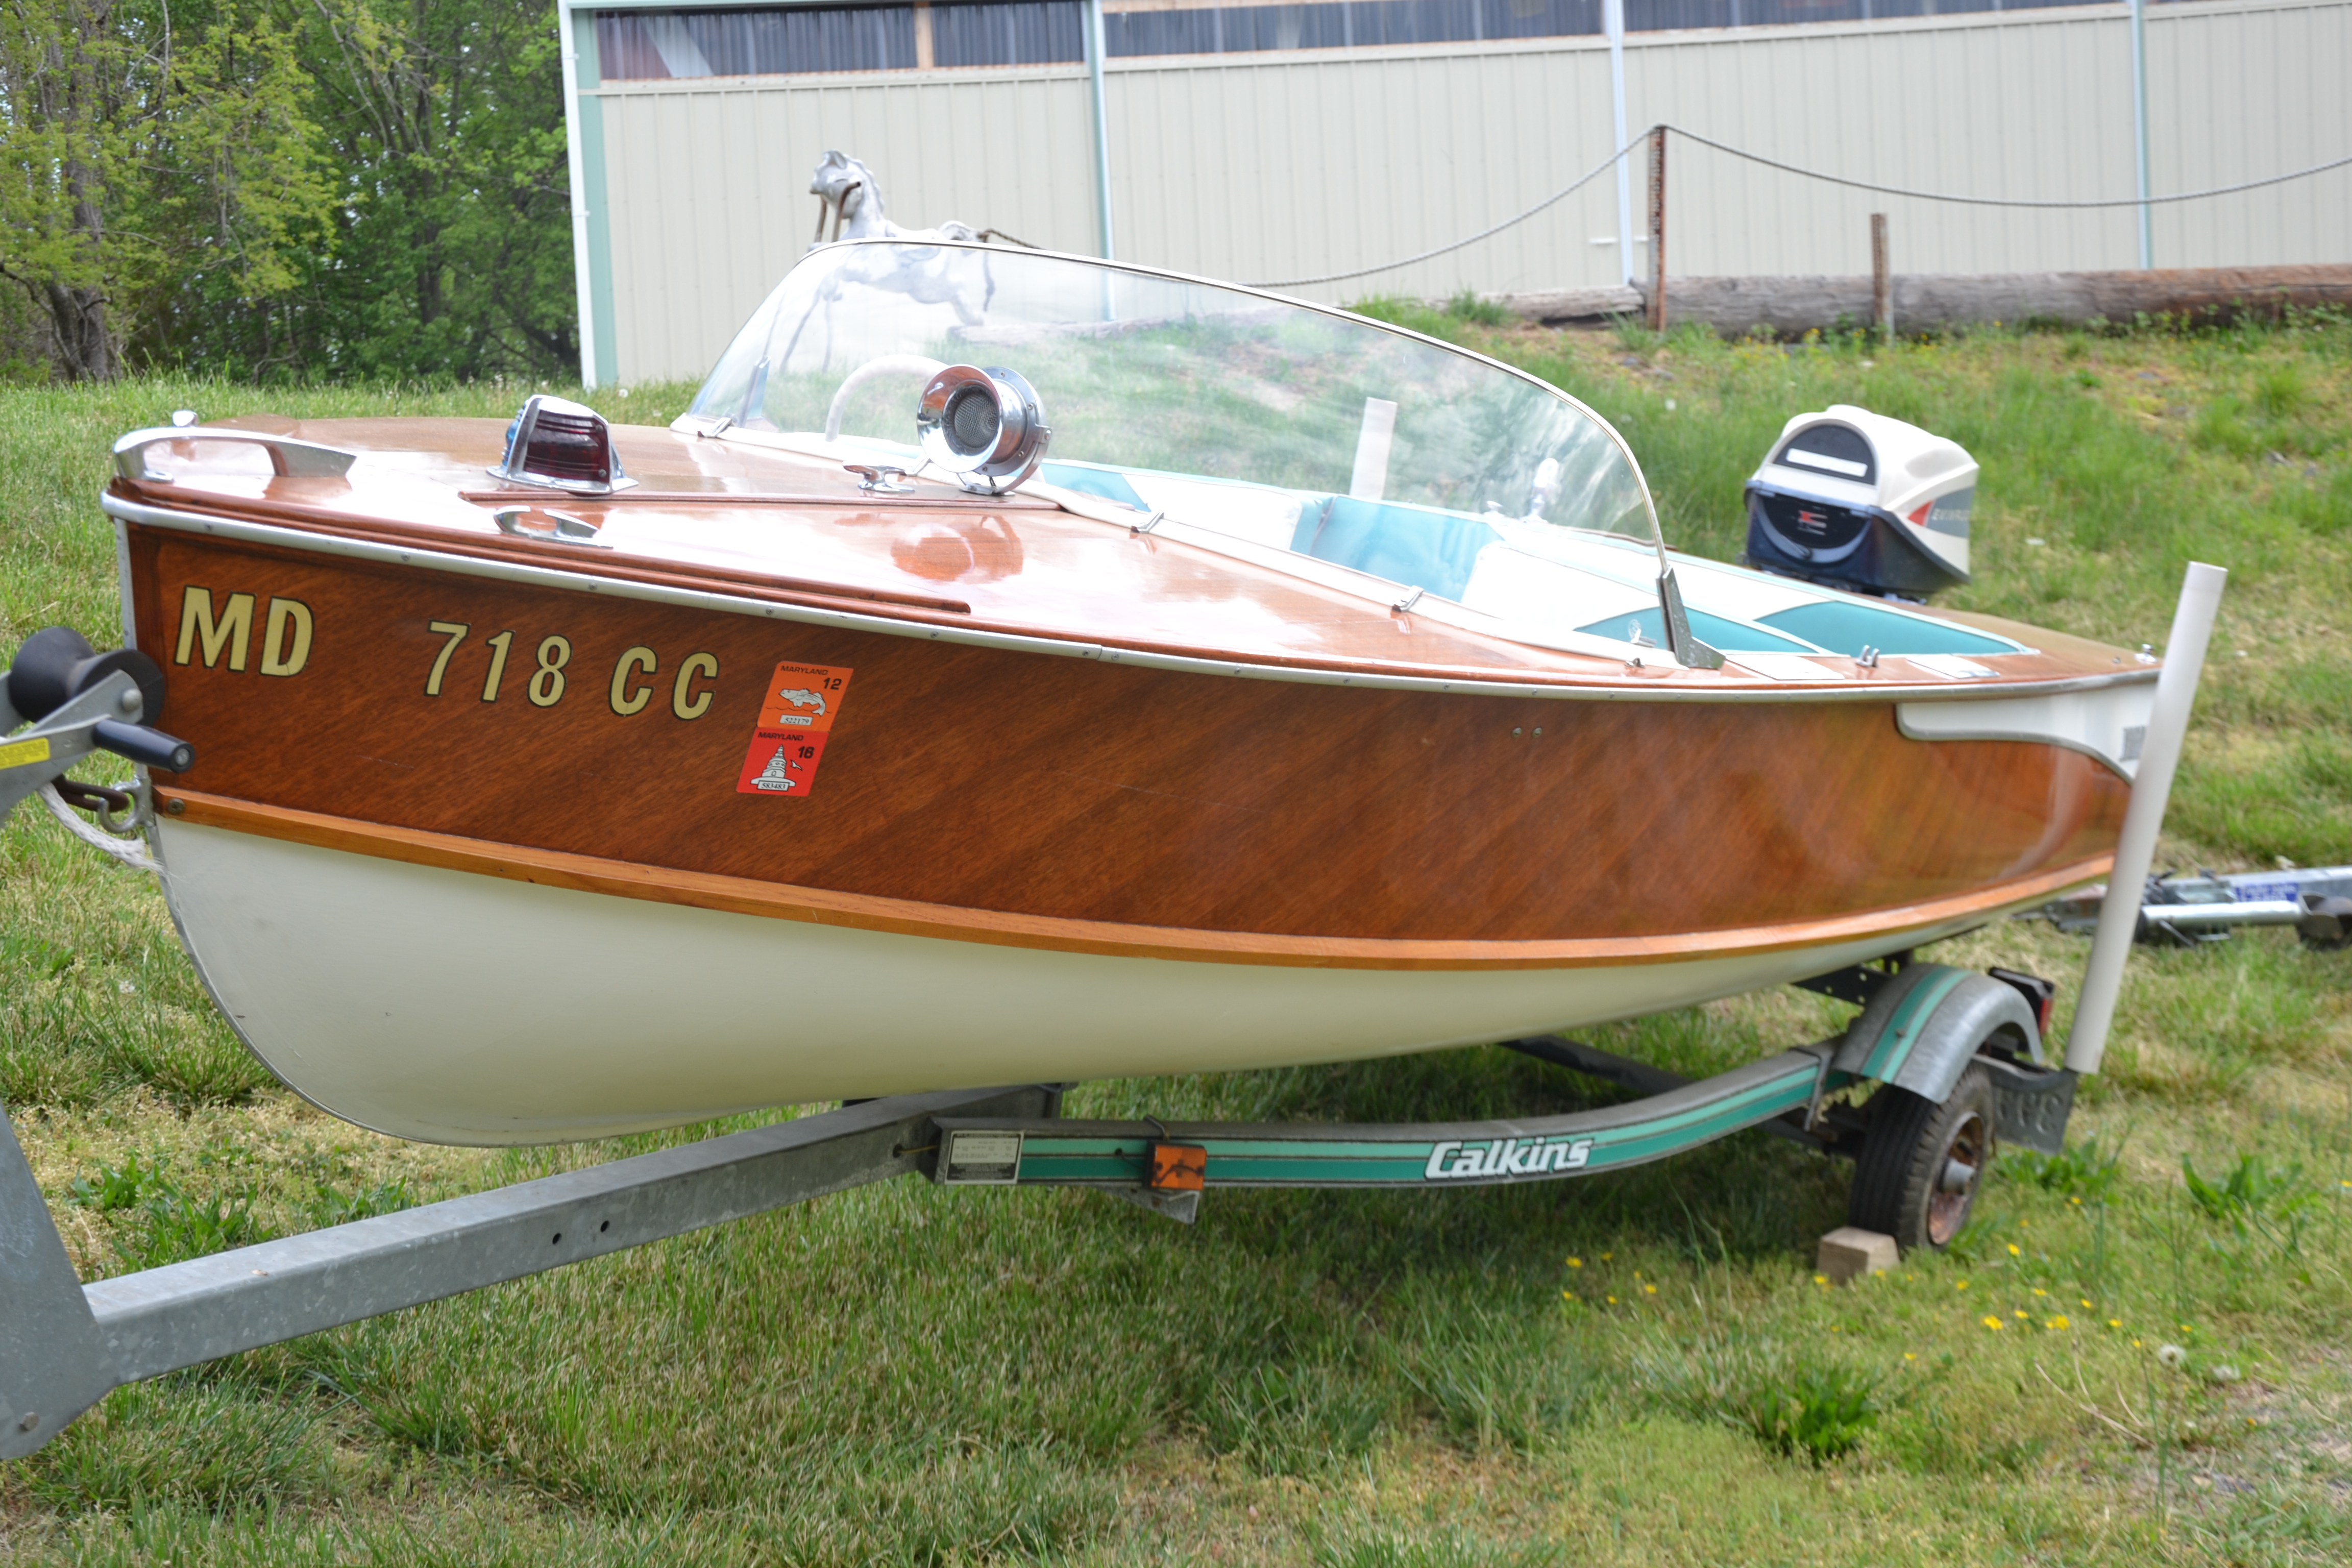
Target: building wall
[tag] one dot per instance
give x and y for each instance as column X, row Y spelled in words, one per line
column 1276, row 166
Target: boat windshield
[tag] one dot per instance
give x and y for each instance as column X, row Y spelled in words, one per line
column 1271, row 421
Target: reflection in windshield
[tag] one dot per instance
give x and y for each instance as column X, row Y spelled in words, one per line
column 1323, row 433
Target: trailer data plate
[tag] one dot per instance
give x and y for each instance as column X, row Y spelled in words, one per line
column 981, row 1156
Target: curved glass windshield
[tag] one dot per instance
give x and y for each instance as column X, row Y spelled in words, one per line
column 1269, row 421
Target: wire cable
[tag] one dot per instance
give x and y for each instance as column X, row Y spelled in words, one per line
column 1610, row 162
column 1563, row 192
column 2008, row 201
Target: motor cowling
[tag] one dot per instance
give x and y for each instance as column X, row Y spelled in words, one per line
column 1856, row 500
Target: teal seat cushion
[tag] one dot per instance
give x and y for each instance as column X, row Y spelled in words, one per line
column 1842, row 626
column 1108, row 483
column 1723, row 635
column 1433, row 551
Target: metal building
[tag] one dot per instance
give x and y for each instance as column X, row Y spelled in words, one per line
column 1272, row 144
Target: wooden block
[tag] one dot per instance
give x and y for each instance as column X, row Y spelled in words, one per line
column 1849, row 1252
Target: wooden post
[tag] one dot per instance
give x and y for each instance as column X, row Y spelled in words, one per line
column 1658, row 228
column 1882, row 279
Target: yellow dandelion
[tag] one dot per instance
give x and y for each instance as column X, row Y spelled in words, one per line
column 1651, row 1290
column 1961, row 1286
column 1992, row 1323
column 1567, row 1295
column 1613, row 1300
column 2086, row 1301
column 2077, row 1201
column 2058, row 1322
column 1821, row 1279
column 1576, row 1263
column 1909, row 1356
column 2012, row 1250
column 2020, row 1312
column 2040, row 1291
column 2135, row 1344
column 1607, row 1256
column 1836, row 1330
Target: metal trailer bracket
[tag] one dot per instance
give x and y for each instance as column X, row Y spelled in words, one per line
column 64, row 1345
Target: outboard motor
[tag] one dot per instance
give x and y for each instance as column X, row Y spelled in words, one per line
column 1855, row 500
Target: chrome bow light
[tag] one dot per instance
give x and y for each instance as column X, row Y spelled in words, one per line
column 564, row 445
column 984, row 427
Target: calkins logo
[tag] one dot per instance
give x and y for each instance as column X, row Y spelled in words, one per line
column 1454, row 1161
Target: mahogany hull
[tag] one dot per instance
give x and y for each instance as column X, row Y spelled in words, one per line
column 1012, row 784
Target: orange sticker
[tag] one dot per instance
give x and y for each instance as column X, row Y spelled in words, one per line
column 796, row 715
column 802, row 697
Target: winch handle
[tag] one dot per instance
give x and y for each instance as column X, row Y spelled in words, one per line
column 148, row 748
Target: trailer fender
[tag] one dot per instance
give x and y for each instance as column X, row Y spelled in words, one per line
column 1927, row 1023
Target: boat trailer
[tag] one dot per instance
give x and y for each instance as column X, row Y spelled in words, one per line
column 1960, row 1059
column 2186, row 910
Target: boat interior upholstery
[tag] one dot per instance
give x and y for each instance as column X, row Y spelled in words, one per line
column 1473, row 562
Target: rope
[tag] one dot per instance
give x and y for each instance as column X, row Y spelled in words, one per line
column 1586, row 179
column 131, row 852
column 1568, row 190
column 2009, row 200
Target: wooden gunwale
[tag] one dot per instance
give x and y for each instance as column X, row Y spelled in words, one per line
column 501, row 547
column 745, row 895
column 293, row 526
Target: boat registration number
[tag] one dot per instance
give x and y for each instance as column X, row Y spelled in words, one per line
column 796, row 712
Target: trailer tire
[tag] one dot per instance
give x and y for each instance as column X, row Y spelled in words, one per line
column 1921, row 1163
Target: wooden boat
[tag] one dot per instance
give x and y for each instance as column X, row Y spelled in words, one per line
column 1311, row 691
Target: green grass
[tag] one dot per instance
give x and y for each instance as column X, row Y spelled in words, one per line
column 1636, row 1368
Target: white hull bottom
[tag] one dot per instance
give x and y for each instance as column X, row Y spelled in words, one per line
column 459, row 1008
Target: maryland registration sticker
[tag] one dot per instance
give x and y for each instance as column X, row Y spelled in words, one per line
column 796, row 714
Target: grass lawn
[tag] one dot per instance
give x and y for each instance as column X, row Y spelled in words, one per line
column 2112, row 1365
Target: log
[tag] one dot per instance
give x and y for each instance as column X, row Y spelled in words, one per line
column 1572, row 307
column 1791, row 307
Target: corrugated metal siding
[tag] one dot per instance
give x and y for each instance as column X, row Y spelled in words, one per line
column 708, row 186
column 2258, row 92
column 1283, row 165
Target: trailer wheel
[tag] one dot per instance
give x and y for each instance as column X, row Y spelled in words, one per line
column 1921, row 1163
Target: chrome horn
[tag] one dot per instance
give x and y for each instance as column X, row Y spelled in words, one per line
column 984, row 427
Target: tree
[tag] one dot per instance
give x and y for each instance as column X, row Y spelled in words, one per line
column 452, row 246
column 138, row 149
column 288, row 187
